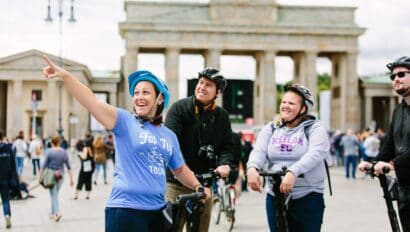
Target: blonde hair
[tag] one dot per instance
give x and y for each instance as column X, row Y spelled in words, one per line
column 98, row 141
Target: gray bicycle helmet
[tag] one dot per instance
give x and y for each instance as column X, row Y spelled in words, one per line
column 403, row 61
column 304, row 93
column 214, row 75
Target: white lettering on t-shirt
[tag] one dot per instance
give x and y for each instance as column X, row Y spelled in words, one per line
column 157, row 170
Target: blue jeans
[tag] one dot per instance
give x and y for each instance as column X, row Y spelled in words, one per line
column 97, row 171
column 124, row 220
column 5, row 196
column 19, row 165
column 36, row 165
column 304, row 214
column 55, row 209
column 351, row 160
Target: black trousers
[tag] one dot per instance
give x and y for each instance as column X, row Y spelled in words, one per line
column 404, row 207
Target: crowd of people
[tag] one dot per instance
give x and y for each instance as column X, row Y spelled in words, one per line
column 156, row 159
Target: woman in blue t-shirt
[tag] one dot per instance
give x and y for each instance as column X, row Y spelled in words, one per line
column 144, row 148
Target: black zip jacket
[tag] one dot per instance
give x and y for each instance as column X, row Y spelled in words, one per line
column 397, row 145
column 7, row 164
column 193, row 131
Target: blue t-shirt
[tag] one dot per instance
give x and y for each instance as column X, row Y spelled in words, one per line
column 142, row 155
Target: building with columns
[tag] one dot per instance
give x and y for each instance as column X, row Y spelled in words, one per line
column 377, row 100
column 259, row 28
column 262, row 29
column 21, row 77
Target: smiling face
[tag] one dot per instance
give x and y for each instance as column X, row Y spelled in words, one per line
column 401, row 85
column 205, row 90
column 144, row 99
column 291, row 106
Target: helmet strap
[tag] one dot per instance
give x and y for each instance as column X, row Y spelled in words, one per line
column 296, row 117
column 149, row 116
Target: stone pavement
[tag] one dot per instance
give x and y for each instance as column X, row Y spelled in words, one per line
column 356, row 206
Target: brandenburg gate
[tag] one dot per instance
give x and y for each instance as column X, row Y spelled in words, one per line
column 260, row 28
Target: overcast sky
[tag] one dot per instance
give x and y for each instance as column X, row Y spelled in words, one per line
column 94, row 39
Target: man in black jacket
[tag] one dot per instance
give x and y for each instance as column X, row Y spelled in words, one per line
column 8, row 175
column 395, row 152
column 204, row 133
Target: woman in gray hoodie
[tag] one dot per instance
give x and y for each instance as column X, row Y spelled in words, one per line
column 299, row 142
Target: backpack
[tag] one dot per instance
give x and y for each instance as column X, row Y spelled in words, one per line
column 307, row 134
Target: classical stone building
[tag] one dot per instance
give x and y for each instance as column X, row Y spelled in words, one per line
column 377, row 101
column 21, row 77
column 260, row 28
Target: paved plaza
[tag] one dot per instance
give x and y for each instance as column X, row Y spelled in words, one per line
column 356, row 206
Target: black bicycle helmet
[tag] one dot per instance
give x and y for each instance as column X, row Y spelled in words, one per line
column 214, row 75
column 403, row 61
column 304, row 93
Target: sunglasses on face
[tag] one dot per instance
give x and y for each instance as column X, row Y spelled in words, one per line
column 398, row 74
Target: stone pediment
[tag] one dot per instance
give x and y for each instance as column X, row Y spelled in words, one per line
column 32, row 59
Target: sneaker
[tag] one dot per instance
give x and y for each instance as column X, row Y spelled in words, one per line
column 57, row 217
column 8, row 222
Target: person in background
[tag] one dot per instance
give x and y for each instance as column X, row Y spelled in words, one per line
column 100, row 158
column 246, row 151
column 20, row 151
column 236, row 152
column 85, row 154
column 287, row 142
column 205, row 135
column 56, row 158
column 64, row 143
column 144, row 149
column 351, row 149
column 109, row 147
column 36, row 151
column 371, row 147
column 395, row 150
column 8, row 173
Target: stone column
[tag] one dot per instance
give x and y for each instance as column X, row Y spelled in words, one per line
column 368, row 109
column 51, row 115
column 130, row 66
column 113, row 98
column 213, row 59
column 305, row 72
column 352, row 92
column 17, row 108
column 311, row 76
column 265, row 88
column 171, row 72
column 342, row 75
column 299, row 68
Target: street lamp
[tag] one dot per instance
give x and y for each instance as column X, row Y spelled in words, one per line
column 49, row 19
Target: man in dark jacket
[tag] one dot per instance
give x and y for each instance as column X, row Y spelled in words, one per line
column 8, row 174
column 204, row 133
column 395, row 152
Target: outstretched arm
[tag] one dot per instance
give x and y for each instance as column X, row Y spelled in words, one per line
column 103, row 112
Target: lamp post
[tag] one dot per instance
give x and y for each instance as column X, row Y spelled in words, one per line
column 49, row 19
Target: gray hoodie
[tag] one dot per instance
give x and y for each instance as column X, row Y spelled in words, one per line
column 290, row 147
